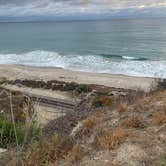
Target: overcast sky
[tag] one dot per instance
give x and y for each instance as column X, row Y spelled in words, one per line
column 38, row 9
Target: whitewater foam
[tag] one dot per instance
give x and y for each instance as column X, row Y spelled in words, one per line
column 134, row 58
column 92, row 63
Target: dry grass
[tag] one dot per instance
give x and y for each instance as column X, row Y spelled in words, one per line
column 134, row 121
column 87, row 128
column 122, row 108
column 159, row 118
column 43, row 152
column 21, row 105
column 110, row 163
column 111, row 139
column 102, row 101
column 96, row 133
column 77, row 154
column 89, row 123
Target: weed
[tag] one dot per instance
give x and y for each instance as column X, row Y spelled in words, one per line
column 134, row 121
column 122, row 108
column 83, row 88
column 77, row 153
column 8, row 131
column 7, row 134
column 102, row 101
column 89, row 123
column 159, row 118
column 160, row 160
column 111, row 139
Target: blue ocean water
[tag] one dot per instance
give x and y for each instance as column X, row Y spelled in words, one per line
column 135, row 47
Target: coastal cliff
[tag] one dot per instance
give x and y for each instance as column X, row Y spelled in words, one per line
column 105, row 126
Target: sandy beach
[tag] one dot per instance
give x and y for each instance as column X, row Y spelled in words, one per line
column 12, row 72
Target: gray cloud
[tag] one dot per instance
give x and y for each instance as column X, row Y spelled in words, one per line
column 55, row 8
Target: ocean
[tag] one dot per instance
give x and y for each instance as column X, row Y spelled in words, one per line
column 135, row 47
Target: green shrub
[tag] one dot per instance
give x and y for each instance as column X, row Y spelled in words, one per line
column 14, row 134
column 34, row 132
column 83, row 88
column 8, row 136
column 162, row 161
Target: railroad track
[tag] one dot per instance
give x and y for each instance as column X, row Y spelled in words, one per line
column 52, row 102
column 46, row 101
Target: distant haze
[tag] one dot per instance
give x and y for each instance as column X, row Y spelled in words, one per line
column 14, row 10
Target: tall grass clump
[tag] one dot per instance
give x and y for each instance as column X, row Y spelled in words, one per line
column 12, row 135
column 110, row 139
column 17, row 120
column 7, row 134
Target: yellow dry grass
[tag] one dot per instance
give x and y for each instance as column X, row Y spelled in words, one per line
column 89, row 123
column 122, row 108
column 159, row 118
column 77, row 153
column 134, row 121
column 110, row 139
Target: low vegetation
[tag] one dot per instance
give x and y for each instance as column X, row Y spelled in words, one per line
column 159, row 118
column 53, row 85
column 111, row 139
column 111, row 130
column 102, row 101
column 122, row 108
column 162, row 160
column 134, row 121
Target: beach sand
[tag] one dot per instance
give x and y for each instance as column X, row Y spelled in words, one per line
column 12, row 72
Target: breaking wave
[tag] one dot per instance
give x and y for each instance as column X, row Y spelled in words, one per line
column 93, row 63
column 123, row 57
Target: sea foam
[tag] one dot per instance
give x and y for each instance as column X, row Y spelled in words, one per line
column 93, row 63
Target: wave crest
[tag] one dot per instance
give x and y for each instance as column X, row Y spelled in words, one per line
column 92, row 63
column 123, row 57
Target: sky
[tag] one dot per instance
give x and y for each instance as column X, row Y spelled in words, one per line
column 29, row 10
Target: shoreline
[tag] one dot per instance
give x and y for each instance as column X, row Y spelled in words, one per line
column 77, row 70
column 13, row 72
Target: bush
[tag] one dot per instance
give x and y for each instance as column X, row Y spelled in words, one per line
column 10, row 135
column 89, row 123
column 102, row 101
column 110, row 139
column 159, row 118
column 77, row 154
column 86, row 129
column 43, row 152
column 162, row 161
column 82, row 88
column 122, row 108
column 14, row 134
column 134, row 121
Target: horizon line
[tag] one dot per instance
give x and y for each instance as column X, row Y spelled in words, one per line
column 82, row 20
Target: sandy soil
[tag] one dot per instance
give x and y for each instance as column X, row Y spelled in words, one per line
column 3, row 150
column 52, row 73
column 45, row 114
column 43, row 92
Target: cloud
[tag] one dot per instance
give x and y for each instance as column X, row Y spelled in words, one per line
column 77, row 8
